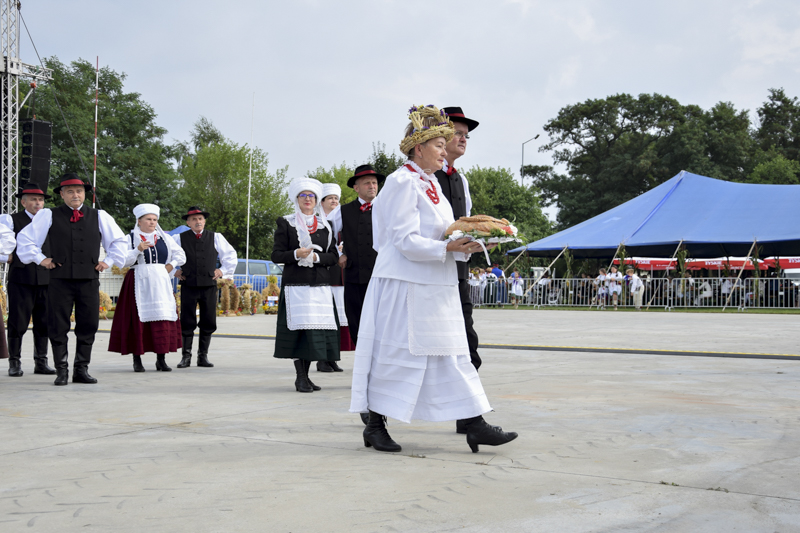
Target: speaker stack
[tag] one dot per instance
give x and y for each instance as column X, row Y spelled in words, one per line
column 37, row 140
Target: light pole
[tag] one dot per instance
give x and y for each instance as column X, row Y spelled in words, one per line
column 522, row 168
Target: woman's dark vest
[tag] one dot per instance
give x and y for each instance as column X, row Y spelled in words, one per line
column 31, row 274
column 155, row 254
column 75, row 245
column 357, row 237
column 201, row 259
column 453, row 190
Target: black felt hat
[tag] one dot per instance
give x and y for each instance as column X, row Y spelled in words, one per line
column 457, row 115
column 32, row 188
column 72, row 179
column 364, row 170
column 194, row 210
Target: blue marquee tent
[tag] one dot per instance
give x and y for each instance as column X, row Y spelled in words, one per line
column 712, row 218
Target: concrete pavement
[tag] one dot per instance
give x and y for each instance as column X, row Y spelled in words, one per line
column 608, row 442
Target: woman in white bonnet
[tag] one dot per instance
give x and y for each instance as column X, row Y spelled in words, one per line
column 307, row 329
column 146, row 319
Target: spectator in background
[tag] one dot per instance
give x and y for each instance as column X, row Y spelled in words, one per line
column 490, row 288
column 501, row 285
column 703, row 293
column 602, row 289
column 636, row 287
column 515, row 283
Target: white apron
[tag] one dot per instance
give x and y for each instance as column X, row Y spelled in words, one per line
column 309, row 307
column 153, row 289
column 338, row 297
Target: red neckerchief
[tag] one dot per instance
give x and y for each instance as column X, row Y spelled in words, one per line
column 432, row 193
column 76, row 215
column 451, row 171
column 198, row 235
column 366, row 207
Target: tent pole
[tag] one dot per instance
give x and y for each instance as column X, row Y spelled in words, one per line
column 524, row 249
column 728, row 299
column 666, row 272
column 545, row 270
column 612, row 259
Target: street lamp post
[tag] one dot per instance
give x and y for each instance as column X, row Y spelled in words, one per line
column 522, row 168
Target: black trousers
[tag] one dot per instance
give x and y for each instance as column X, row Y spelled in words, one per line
column 62, row 294
column 354, row 294
column 466, row 310
column 25, row 301
column 207, row 298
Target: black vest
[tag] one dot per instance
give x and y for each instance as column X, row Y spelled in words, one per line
column 31, row 274
column 155, row 254
column 453, row 190
column 201, row 259
column 357, row 237
column 75, row 245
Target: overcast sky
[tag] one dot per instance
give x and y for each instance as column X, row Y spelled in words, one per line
column 332, row 77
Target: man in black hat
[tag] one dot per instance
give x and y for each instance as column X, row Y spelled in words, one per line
column 456, row 189
column 75, row 233
column 199, row 282
column 358, row 257
column 27, row 289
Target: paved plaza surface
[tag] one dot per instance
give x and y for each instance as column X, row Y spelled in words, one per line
column 608, row 442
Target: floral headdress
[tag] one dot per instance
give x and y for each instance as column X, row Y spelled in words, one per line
column 421, row 132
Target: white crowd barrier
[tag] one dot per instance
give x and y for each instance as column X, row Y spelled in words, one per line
column 763, row 293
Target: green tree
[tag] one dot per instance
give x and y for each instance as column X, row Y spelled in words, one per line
column 382, row 162
column 216, row 178
column 133, row 163
column 619, row 147
column 775, row 169
column 779, row 126
column 495, row 192
column 337, row 174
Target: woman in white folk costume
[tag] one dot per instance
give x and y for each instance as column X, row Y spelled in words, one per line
column 307, row 328
column 146, row 319
column 331, row 194
column 412, row 359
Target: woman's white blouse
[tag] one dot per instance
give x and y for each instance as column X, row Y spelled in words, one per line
column 407, row 232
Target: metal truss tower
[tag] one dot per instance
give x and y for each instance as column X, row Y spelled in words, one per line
column 11, row 71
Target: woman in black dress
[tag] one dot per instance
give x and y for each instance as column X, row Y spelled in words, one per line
column 307, row 328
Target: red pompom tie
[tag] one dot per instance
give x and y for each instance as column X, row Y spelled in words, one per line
column 432, row 193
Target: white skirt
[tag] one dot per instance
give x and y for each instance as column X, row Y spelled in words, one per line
column 338, row 298
column 391, row 381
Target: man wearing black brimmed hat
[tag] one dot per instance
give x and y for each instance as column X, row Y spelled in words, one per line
column 456, row 189
column 75, row 233
column 199, row 282
column 358, row 257
column 27, row 289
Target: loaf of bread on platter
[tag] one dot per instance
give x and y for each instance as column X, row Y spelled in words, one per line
column 482, row 226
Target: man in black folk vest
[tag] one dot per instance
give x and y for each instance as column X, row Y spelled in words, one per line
column 27, row 289
column 358, row 257
column 456, row 189
column 75, row 233
column 199, row 282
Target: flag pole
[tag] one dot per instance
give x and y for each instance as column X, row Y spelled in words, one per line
column 96, row 98
column 249, row 184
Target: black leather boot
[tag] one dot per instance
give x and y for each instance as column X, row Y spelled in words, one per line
column 202, row 351
column 307, row 367
column 375, row 434
column 40, row 356
column 161, row 363
column 301, row 384
column 480, row 432
column 461, row 427
column 364, row 418
column 335, row 366
column 80, row 368
column 14, row 358
column 61, row 360
column 186, row 352
column 137, row 363
column 324, row 366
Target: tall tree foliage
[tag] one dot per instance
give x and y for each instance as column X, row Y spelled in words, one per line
column 133, row 162
column 215, row 171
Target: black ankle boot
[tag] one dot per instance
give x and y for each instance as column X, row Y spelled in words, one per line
column 335, row 366
column 307, row 366
column 137, row 363
column 161, row 363
column 480, row 432
column 186, row 352
column 62, row 378
column 461, row 427
column 40, row 365
column 202, row 351
column 375, row 434
column 301, row 384
column 324, row 366
column 14, row 358
column 80, row 374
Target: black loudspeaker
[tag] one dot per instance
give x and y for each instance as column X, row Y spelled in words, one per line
column 37, row 140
